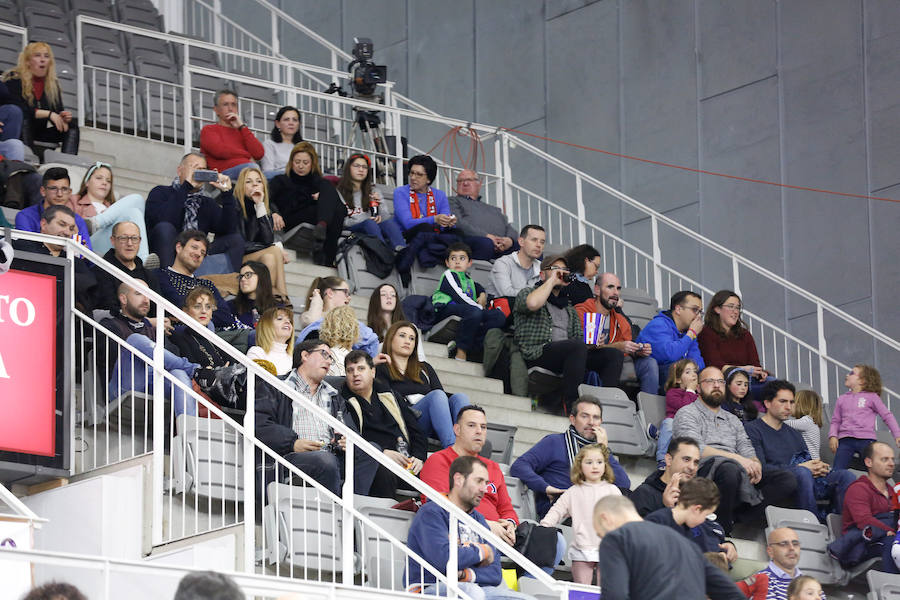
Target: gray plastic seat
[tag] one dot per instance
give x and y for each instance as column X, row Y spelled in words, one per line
column 502, row 438
column 385, row 564
column 9, row 13
column 621, row 419
column 207, row 458
column 883, row 586
column 94, row 8
column 814, row 538
column 652, row 407
column 522, row 498
column 36, row 9
column 302, row 528
column 53, row 37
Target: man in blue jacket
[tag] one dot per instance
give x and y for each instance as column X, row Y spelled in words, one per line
column 546, row 467
column 673, row 333
column 477, row 561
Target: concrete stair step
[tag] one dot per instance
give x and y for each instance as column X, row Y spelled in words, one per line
column 305, row 267
column 460, row 382
column 442, row 364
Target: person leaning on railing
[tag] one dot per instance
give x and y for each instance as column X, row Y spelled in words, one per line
column 33, row 85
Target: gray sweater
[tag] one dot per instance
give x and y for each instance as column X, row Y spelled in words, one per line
column 475, row 218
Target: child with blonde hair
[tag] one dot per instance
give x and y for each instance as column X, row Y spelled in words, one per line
column 592, row 479
column 807, row 419
column 340, row 330
column 853, row 422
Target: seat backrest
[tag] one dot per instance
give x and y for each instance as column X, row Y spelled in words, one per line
column 502, row 438
column 384, row 563
column 814, row 538
column 621, row 420
column 653, row 407
column 308, row 526
column 883, row 586
column 522, row 498
column 213, row 457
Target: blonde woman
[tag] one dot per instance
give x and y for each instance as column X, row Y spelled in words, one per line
column 275, row 339
column 256, row 226
column 96, row 203
column 35, row 88
column 339, row 330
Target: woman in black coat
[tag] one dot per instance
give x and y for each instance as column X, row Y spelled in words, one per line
column 302, row 195
column 256, row 225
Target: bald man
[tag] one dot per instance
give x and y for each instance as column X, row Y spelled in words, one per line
column 639, row 559
column 783, row 548
column 483, row 227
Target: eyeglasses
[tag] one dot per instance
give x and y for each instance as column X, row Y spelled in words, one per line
column 325, row 354
column 344, row 290
column 128, row 239
column 556, row 269
column 418, row 174
column 785, row 544
column 713, row 381
column 467, row 180
column 697, row 310
column 246, row 275
column 736, row 307
column 199, row 307
column 58, row 190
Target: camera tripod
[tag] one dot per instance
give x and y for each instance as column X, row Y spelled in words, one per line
column 368, row 134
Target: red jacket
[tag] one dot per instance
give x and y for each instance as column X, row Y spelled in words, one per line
column 226, row 147
column 496, row 503
column 862, row 502
column 619, row 327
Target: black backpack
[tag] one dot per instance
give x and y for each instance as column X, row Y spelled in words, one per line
column 378, row 255
column 12, row 191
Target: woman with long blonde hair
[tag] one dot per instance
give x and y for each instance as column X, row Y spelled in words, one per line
column 340, row 330
column 275, row 339
column 257, row 227
column 33, row 83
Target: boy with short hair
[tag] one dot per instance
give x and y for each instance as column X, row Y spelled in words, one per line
column 698, row 498
column 460, row 295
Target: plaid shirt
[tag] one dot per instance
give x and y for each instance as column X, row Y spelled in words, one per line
column 307, row 425
column 533, row 327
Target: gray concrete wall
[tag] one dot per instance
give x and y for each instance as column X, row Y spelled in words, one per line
column 803, row 92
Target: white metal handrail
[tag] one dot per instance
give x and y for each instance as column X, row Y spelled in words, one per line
column 20, row 511
column 16, row 30
column 251, row 444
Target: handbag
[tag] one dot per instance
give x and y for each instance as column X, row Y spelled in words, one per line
column 537, row 543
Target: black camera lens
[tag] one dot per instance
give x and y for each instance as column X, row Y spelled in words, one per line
column 569, row 277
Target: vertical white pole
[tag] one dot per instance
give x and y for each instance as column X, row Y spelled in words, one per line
column 579, row 199
column 823, row 352
column 736, row 276
column 79, row 64
column 452, row 556
column 507, row 176
column 249, row 471
column 657, row 260
column 347, row 519
column 186, row 104
column 159, row 425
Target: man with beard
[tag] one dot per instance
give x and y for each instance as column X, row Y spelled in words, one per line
column 546, row 467
column 662, row 489
column 613, row 329
column 549, row 334
column 478, row 562
column 727, row 455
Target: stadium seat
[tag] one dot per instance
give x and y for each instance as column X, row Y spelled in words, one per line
column 883, row 586
column 38, row 10
column 92, row 8
column 522, row 498
column 444, row 331
column 652, row 407
column 302, row 528
column 9, row 13
column 384, row 564
column 834, row 524
column 621, row 419
column 425, row 281
column 543, row 381
column 207, row 458
column 814, row 538
column 502, row 438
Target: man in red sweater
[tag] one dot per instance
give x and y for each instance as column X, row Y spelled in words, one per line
column 869, row 503
column 496, row 506
column 229, row 145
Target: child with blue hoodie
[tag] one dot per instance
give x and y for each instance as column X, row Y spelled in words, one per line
column 460, row 295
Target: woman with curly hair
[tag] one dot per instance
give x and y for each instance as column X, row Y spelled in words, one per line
column 34, row 87
column 339, row 330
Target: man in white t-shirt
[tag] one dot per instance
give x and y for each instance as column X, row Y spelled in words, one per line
column 514, row 272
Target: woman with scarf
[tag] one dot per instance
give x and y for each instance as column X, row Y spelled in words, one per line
column 302, row 195
column 418, row 207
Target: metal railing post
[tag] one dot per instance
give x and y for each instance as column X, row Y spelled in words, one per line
column 79, row 70
column 507, row 177
column 579, row 199
column 657, row 261
column 187, row 106
column 249, row 472
column 736, row 275
column 159, row 425
column 347, row 518
column 823, row 351
column 452, row 564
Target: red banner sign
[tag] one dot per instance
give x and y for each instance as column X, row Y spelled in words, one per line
column 27, row 363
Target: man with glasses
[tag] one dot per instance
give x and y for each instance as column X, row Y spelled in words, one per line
column 728, row 456
column 125, row 240
column 55, row 190
column 549, row 334
column 783, row 548
column 483, row 227
column 298, row 434
column 672, row 334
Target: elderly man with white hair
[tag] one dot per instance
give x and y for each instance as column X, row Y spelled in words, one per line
column 484, row 227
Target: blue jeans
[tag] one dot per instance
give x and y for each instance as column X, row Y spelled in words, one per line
column 483, row 247
column 11, row 117
column 836, row 483
column 12, row 149
column 439, row 414
column 138, row 378
column 475, row 323
column 647, row 372
column 665, row 437
column 129, row 208
column 387, row 231
column 321, row 465
column 847, row 447
column 235, row 171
